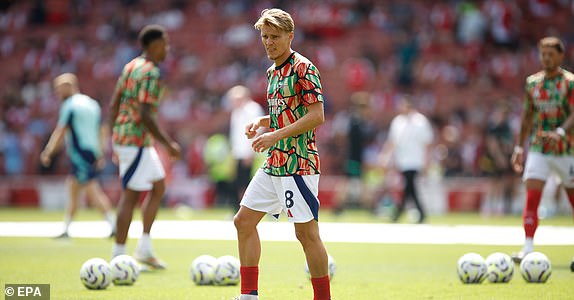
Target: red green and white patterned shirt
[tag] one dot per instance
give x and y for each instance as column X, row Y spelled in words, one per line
column 292, row 87
column 138, row 83
column 549, row 99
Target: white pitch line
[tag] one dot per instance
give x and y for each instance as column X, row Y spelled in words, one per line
column 330, row 232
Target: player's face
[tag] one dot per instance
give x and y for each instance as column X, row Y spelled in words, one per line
column 159, row 48
column 550, row 58
column 277, row 43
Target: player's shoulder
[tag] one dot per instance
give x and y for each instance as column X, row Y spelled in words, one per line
column 141, row 67
column 568, row 75
column 536, row 77
column 301, row 61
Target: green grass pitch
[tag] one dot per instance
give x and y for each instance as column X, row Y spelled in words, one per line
column 364, row 271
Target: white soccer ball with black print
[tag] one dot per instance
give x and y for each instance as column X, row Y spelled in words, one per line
column 227, row 271
column 202, row 269
column 500, row 267
column 96, row 274
column 332, row 267
column 125, row 270
column 535, row 267
column 471, row 268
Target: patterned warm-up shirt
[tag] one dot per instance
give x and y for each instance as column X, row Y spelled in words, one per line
column 549, row 99
column 139, row 83
column 292, row 87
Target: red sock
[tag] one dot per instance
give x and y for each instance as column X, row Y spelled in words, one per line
column 571, row 199
column 321, row 288
column 530, row 214
column 249, row 277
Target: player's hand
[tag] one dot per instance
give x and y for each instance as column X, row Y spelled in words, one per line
column 45, row 158
column 550, row 135
column 517, row 161
column 174, row 150
column 251, row 129
column 100, row 163
column 264, row 141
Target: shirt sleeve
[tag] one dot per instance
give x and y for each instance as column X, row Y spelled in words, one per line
column 310, row 83
column 65, row 112
column 149, row 89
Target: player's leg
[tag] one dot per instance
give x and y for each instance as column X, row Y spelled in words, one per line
column 536, row 171
column 411, row 187
column 316, row 256
column 259, row 198
column 128, row 201
column 150, row 207
column 249, row 247
column 100, row 200
column 74, row 189
column 405, row 196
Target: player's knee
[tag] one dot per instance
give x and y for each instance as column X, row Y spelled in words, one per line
column 243, row 223
column 307, row 236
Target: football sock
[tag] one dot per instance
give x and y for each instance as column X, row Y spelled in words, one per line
column 530, row 214
column 118, row 249
column 321, row 288
column 528, row 245
column 144, row 245
column 111, row 219
column 248, row 297
column 249, row 278
column 67, row 222
column 571, row 199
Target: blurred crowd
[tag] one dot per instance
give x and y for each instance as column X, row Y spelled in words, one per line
column 460, row 60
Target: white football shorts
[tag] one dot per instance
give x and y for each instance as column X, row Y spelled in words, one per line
column 139, row 167
column 540, row 166
column 296, row 195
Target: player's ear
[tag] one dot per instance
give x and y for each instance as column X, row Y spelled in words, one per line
column 291, row 36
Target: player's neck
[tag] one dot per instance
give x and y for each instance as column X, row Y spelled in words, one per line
column 281, row 60
column 552, row 73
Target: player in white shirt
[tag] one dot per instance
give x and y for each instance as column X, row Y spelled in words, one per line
column 408, row 147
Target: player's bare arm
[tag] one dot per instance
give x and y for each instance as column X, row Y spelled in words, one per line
column 261, row 122
column 560, row 132
column 54, row 143
column 315, row 116
column 151, row 125
column 114, row 107
column 517, row 159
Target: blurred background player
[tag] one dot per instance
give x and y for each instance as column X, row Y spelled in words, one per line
column 548, row 119
column 134, row 108
column 289, row 179
column 355, row 130
column 80, row 121
column 243, row 111
column 408, row 148
column 499, row 146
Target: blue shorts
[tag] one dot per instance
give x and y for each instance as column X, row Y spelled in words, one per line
column 85, row 169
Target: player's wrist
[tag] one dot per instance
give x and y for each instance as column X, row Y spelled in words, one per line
column 560, row 131
column 518, row 149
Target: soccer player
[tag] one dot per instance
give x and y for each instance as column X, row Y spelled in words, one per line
column 289, row 178
column 80, row 121
column 409, row 143
column 548, row 119
column 134, row 109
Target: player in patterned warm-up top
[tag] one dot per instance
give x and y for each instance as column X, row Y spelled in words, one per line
column 134, row 109
column 548, row 118
column 289, row 179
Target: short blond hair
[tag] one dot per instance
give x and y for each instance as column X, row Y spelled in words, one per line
column 66, row 78
column 553, row 42
column 277, row 18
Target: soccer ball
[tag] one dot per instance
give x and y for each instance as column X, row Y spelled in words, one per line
column 471, row 268
column 125, row 270
column 96, row 274
column 227, row 271
column 332, row 267
column 500, row 267
column 535, row 267
column 202, row 269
